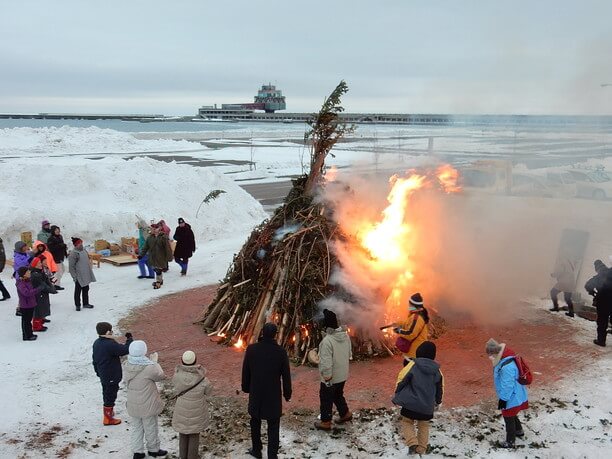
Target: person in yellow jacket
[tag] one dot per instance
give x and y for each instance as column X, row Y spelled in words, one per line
column 414, row 331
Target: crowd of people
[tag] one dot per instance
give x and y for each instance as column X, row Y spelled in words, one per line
column 266, row 376
column 38, row 270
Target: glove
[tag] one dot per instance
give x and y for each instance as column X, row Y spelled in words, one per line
column 501, row 404
column 139, row 257
column 128, row 335
column 397, row 330
column 154, row 356
column 328, row 383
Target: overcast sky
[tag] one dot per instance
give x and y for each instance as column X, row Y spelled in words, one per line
column 170, row 57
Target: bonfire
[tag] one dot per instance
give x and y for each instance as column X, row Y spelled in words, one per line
column 284, row 271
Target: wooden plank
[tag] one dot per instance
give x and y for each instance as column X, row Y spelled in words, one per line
column 120, row 260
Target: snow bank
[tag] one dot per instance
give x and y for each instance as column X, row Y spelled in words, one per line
column 26, row 141
column 100, row 199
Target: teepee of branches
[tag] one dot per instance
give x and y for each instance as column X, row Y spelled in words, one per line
column 283, row 269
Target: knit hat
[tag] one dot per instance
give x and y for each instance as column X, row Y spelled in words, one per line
column 415, row 302
column 102, row 328
column 189, row 358
column 36, row 261
column 138, row 348
column 330, row 320
column 181, row 220
column 426, row 350
column 76, row 241
column 21, row 271
column 493, row 347
column 45, row 223
column 269, row 330
column 19, row 245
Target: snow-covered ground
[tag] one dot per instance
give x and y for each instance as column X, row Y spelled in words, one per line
column 51, row 383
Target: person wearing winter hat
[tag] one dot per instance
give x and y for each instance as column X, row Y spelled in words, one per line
column 45, row 231
column 191, row 415
column 107, row 351
column 414, row 331
column 5, row 294
column 185, row 245
column 41, row 281
column 27, row 302
column 21, row 258
column 597, row 287
column 81, row 272
column 59, row 251
column 265, row 365
column 143, row 401
column 511, row 394
column 157, row 248
column 335, row 352
column 418, row 391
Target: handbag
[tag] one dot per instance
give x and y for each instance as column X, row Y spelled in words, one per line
column 402, row 344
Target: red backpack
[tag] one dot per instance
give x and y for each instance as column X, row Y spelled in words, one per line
column 525, row 376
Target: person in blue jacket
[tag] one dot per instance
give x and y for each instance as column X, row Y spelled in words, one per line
column 511, row 394
column 107, row 365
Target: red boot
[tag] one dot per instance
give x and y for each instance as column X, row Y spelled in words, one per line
column 109, row 417
column 38, row 325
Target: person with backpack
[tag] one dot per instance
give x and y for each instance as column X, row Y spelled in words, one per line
column 418, row 391
column 191, row 415
column 414, row 330
column 510, row 376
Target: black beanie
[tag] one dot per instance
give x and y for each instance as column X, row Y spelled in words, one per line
column 21, row 271
column 329, row 319
column 599, row 265
column 102, row 328
column 426, row 350
column 269, row 331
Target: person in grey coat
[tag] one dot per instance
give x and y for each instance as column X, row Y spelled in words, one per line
column 334, row 355
column 79, row 267
column 5, row 294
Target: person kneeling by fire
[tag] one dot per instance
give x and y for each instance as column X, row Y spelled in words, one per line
column 414, row 330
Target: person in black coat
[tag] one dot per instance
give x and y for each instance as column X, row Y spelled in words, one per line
column 59, row 250
column 265, row 364
column 107, row 365
column 600, row 286
column 185, row 245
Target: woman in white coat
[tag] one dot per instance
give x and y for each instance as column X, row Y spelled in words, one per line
column 191, row 415
column 144, row 404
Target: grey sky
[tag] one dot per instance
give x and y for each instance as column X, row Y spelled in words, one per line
column 462, row 56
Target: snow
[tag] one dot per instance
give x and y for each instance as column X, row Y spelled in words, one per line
column 44, row 174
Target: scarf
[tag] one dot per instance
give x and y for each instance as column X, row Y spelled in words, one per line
column 141, row 360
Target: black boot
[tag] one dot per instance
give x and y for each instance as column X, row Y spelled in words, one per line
column 159, row 453
column 254, row 453
column 139, row 456
column 78, row 307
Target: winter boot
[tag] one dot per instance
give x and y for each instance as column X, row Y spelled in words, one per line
column 342, row 419
column 78, row 307
column 109, row 417
column 323, row 425
column 156, row 285
column 159, row 453
column 254, row 453
column 599, row 343
column 37, row 325
column 506, row 445
column 88, row 306
column 139, row 456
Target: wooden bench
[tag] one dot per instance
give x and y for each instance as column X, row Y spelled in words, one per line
column 95, row 258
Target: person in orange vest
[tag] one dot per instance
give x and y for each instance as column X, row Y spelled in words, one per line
column 414, row 331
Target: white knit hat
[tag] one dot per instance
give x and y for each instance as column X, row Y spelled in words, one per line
column 189, row 358
column 138, row 348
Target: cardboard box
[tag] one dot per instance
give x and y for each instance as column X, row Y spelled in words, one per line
column 101, row 244
column 115, row 249
column 129, row 244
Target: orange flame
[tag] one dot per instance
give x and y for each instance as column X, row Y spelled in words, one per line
column 239, row 344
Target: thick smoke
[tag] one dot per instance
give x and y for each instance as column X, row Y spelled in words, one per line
column 473, row 255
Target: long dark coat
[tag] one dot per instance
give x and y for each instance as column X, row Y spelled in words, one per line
column 265, row 363
column 57, row 247
column 185, row 242
column 159, row 250
column 43, row 305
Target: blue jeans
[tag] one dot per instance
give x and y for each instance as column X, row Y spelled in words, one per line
column 144, row 261
column 183, row 263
